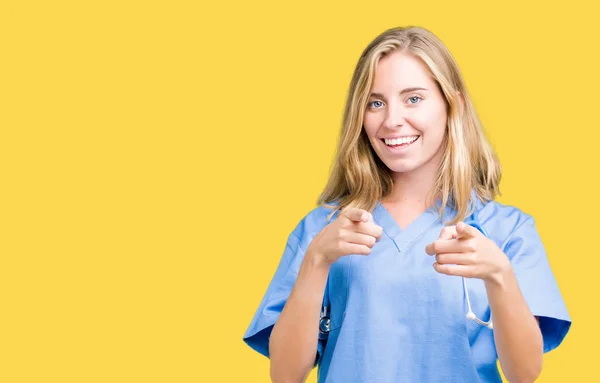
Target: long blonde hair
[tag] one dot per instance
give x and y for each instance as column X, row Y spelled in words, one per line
column 360, row 179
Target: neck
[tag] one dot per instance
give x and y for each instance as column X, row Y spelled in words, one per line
column 415, row 187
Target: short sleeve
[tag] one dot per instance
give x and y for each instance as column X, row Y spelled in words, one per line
column 538, row 283
column 259, row 331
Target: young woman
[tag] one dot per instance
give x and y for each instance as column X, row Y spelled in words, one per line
column 396, row 276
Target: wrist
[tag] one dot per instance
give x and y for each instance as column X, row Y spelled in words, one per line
column 500, row 278
column 316, row 260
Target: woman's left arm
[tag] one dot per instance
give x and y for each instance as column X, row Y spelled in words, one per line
column 517, row 333
column 463, row 251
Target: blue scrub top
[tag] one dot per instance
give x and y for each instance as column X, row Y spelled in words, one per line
column 395, row 319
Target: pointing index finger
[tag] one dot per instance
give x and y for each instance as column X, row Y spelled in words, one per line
column 358, row 215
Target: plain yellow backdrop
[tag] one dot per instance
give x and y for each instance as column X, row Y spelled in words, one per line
column 155, row 156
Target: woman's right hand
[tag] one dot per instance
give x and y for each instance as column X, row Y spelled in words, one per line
column 352, row 232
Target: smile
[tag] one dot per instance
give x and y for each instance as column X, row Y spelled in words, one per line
column 401, row 142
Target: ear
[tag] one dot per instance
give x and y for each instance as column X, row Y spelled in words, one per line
column 461, row 102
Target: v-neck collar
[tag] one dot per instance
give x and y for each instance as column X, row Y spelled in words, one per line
column 403, row 237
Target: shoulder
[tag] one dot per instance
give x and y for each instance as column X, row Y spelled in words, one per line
column 312, row 223
column 510, row 215
column 503, row 221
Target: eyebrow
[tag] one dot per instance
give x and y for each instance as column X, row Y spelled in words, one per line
column 406, row 90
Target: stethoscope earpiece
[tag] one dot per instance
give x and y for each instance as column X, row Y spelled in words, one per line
column 470, row 314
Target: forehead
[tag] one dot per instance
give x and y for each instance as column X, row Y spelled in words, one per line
column 400, row 70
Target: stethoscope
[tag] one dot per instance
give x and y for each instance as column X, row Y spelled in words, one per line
column 325, row 321
column 473, row 221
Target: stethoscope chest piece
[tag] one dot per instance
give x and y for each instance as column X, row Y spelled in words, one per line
column 324, row 325
column 324, row 322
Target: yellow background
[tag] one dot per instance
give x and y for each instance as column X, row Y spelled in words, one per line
column 156, row 154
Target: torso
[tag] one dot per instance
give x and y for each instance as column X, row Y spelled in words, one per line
column 395, row 318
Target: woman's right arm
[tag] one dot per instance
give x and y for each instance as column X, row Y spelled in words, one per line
column 295, row 335
column 293, row 342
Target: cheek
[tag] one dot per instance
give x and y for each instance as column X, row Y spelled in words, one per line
column 432, row 122
column 371, row 124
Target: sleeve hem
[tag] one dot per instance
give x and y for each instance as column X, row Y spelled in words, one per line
column 258, row 336
column 554, row 331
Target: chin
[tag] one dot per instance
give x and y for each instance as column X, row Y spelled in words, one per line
column 402, row 166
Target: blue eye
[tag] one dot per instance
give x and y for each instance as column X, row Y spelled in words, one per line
column 373, row 102
column 413, row 98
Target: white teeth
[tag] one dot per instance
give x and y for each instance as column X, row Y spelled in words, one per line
column 401, row 140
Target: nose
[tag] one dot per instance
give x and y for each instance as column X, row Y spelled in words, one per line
column 394, row 118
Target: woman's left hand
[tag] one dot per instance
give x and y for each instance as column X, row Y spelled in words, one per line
column 464, row 251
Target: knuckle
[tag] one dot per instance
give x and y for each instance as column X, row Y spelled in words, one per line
column 448, row 231
column 471, row 245
column 372, row 241
column 473, row 258
column 348, row 212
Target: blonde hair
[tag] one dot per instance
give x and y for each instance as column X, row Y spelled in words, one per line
column 469, row 167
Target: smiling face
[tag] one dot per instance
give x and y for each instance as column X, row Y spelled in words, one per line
column 406, row 115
